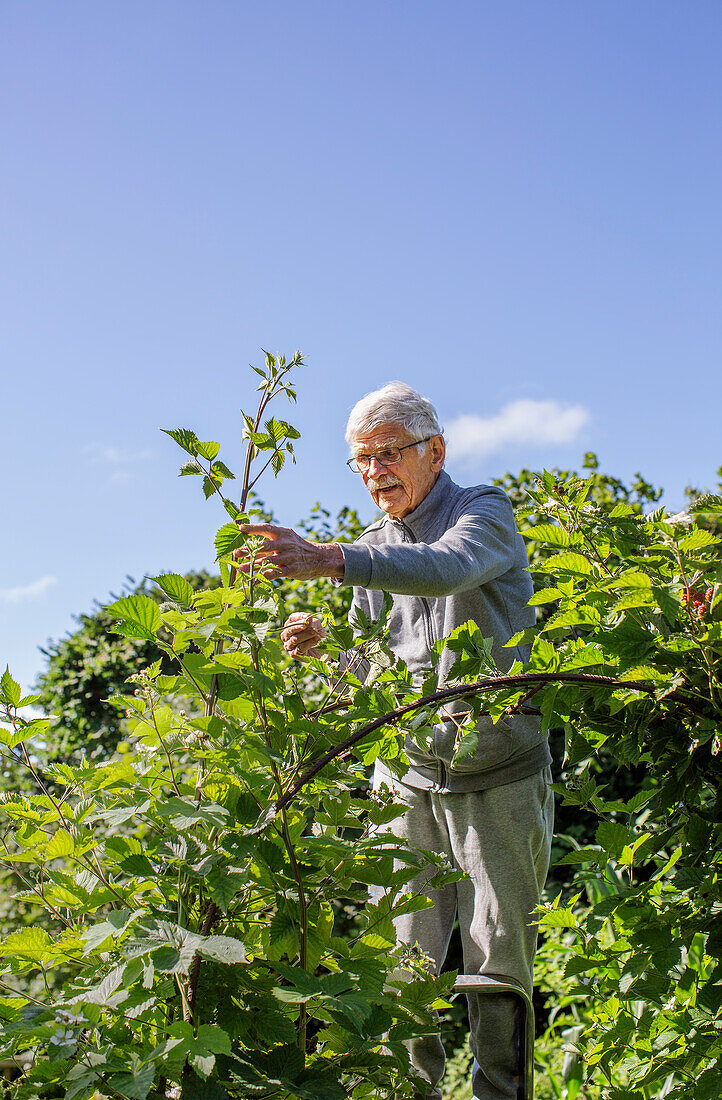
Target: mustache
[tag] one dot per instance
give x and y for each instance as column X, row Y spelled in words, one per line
column 386, row 482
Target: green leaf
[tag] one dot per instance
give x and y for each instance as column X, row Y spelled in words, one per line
column 138, row 616
column 639, row 598
column 548, row 533
column 466, row 745
column 61, row 845
column 566, row 562
column 202, row 1048
column 207, row 450
column 189, row 468
column 185, row 438
column 223, row 885
column 228, row 539
column 282, row 1063
column 183, row 814
column 545, row 595
column 543, row 656
column 697, row 539
column 176, row 587
column 31, row 943
column 613, row 837
column 279, row 429
column 10, row 689
column 558, row 918
column 195, row 1088
column 707, row 504
column 223, row 949
column 221, row 471
column 573, row 616
column 136, row 1086
column 209, row 487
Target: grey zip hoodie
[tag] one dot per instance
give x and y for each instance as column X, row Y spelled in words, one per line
column 457, row 556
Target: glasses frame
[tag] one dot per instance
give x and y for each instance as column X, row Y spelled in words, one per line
column 352, row 462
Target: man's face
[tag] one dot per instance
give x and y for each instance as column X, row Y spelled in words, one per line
column 399, row 489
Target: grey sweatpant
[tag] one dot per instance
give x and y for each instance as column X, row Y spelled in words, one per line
column 501, row 838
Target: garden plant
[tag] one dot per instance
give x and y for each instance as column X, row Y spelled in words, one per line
column 190, row 883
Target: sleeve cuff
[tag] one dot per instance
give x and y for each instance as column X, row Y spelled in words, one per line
column 357, row 565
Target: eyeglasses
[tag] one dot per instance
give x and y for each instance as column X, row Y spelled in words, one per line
column 360, row 463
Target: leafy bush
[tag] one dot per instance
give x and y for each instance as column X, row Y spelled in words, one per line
column 632, row 652
column 190, row 879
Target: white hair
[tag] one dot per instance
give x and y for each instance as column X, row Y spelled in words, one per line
column 394, row 403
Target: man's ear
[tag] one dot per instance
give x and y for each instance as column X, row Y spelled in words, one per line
column 438, row 452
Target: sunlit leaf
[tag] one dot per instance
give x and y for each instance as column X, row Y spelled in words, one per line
column 176, row 587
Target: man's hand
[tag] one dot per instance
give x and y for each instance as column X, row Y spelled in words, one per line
column 300, row 635
column 288, row 555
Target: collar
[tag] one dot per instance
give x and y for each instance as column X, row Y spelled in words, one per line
column 417, row 520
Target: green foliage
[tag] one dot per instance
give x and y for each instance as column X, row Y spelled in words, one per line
column 190, row 884
column 640, row 611
column 188, row 881
column 457, row 1078
column 85, row 668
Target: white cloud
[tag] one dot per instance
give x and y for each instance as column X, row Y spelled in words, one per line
column 120, row 462
column 520, row 423
column 27, row 591
column 115, row 456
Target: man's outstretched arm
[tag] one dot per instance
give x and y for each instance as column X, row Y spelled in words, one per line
column 285, row 554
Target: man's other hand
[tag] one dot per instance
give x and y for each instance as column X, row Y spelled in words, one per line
column 300, row 635
column 285, row 554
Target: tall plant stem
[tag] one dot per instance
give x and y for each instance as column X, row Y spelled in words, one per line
column 194, row 972
column 303, row 908
column 269, row 392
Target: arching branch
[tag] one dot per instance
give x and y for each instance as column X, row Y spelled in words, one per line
column 479, row 687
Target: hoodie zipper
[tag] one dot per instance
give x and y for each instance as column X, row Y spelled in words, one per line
column 408, row 536
column 427, row 616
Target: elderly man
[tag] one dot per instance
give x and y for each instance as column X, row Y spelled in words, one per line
column 448, row 555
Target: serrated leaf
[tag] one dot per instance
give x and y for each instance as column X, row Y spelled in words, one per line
column 207, row 450
column 566, row 562
column 190, row 468
column 285, row 1062
column 228, row 539
column 707, row 504
column 136, row 1086
column 195, row 1088
column 643, row 672
column 185, row 438
column 10, row 688
column 581, row 855
column 136, row 612
column 466, row 745
column 223, row 885
column 697, row 540
column 545, row 595
column 223, row 949
column 558, row 918
column 209, row 487
column 175, row 586
column 613, row 837
column 548, row 533
column 61, row 845
column 31, row 943
column 221, row 471
column 543, row 655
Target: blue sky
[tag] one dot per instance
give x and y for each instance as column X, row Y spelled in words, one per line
column 512, row 206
